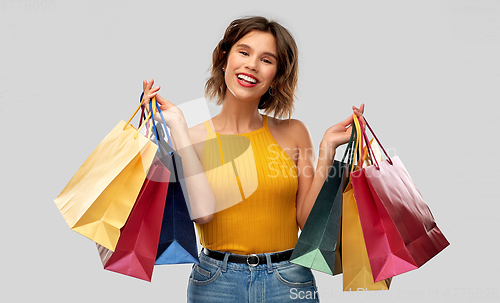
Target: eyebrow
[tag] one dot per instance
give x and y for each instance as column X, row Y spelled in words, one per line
column 265, row 53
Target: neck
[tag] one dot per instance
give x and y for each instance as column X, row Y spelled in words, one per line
column 237, row 117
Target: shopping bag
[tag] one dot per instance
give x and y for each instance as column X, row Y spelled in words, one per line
column 177, row 242
column 135, row 253
column 399, row 229
column 318, row 246
column 357, row 273
column 99, row 197
column 317, row 242
column 177, row 239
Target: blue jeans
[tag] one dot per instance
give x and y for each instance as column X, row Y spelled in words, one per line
column 220, row 281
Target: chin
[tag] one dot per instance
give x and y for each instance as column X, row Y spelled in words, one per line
column 244, row 97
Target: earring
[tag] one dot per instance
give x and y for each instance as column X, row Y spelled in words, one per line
column 270, row 91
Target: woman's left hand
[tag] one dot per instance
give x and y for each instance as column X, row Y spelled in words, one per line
column 340, row 133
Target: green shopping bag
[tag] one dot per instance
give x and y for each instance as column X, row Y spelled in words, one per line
column 318, row 246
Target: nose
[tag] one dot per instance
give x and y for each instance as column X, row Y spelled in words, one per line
column 251, row 63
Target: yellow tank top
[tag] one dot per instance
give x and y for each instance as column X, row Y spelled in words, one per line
column 255, row 185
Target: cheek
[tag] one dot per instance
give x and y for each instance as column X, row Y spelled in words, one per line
column 271, row 73
column 233, row 61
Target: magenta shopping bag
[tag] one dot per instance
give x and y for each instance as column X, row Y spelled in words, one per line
column 399, row 229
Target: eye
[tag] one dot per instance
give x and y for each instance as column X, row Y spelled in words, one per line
column 244, row 53
column 267, row 61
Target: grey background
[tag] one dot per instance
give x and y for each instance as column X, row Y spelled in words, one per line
column 428, row 72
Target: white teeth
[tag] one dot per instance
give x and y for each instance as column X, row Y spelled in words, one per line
column 247, row 78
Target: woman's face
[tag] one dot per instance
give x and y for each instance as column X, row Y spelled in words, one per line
column 251, row 66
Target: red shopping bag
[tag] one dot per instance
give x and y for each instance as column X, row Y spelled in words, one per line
column 135, row 252
column 399, row 229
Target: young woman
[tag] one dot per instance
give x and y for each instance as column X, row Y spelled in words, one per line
column 253, row 182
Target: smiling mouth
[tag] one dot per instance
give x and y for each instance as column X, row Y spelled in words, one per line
column 247, row 79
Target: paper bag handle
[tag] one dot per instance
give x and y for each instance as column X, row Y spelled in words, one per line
column 370, row 150
column 163, row 122
column 349, row 149
column 133, row 115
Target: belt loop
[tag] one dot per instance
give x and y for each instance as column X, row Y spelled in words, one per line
column 269, row 264
column 224, row 262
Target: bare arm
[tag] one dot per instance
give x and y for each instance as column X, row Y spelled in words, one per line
column 311, row 180
column 201, row 196
column 200, row 193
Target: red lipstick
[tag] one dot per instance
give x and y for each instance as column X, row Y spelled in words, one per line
column 246, row 80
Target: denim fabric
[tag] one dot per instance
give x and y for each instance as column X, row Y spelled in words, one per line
column 221, row 281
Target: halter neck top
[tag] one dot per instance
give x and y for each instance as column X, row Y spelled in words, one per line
column 255, row 185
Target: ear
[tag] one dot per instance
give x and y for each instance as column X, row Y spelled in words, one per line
column 222, row 55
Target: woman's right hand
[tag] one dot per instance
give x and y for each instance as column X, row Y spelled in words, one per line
column 172, row 114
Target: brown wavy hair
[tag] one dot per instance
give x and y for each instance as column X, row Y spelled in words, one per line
column 280, row 104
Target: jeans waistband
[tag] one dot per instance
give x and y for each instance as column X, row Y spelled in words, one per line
column 225, row 263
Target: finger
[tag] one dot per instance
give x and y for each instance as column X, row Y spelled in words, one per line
column 349, row 130
column 164, row 103
column 360, row 118
column 362, row 110
column 162, row 100
column 150, row 96
column 347, row 122
column 150, row 84
column 154, row 90
column 144, row 84
column 358, row 113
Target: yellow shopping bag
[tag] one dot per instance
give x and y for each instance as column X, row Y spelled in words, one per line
column 357, row 273
column 356, row 266
column 99, row 198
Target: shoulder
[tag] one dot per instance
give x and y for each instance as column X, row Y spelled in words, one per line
column 289, row 127
column 198, row 132
column 197, row 136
